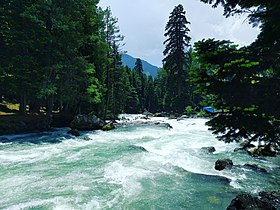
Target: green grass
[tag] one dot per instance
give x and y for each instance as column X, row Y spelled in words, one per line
column 8, row 108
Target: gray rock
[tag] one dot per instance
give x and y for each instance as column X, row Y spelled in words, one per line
column 273, row 198
column 148, row 114
column 86, row 138
column 246, row 201
column 109, row 126
column 222, row 164
column 139, row 148
column 240, row 150
column 208, row 149
column 254, row 167
column 87, row 122
column 74, row 132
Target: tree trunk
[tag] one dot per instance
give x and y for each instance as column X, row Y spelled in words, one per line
column 50, row 105
column 35, row 106
column 23, row 103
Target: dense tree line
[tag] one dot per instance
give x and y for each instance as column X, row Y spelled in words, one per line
column 65, row 56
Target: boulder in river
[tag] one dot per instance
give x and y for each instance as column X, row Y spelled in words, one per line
column 208, row 149
column 138, row 148
column 165, row 125
column 265, row 201
column 109, row 126
column 222, row 164
column 148, row 114
column 74, row 132
column 240, row 150
column 87, row 122
column 254, row 167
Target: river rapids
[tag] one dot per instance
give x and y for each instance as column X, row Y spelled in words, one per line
column 131, row 167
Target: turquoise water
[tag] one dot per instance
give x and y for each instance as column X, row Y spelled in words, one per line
column 144, row 167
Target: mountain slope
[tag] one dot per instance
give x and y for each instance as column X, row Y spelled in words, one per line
column 148, row 68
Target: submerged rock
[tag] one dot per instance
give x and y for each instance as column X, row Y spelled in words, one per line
column 254, row 167
column 109, row 126
column 208, row 149
column 144, row 123
column 165, row 125
column 86, row 138
column 87, row 122
column 240, row 150
column 265, row 201
column 74, row 132
column 139, row 148
column 212, row 178
column 222, row 164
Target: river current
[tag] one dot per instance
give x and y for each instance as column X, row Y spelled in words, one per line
column 131, row 167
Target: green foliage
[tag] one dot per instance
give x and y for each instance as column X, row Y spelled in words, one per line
column 189, row 110
column 244, row 82
column 160, row 88
column 132, row 104
column 177, row 61
column 48, row 46
column 236, row 80
column 116, row 77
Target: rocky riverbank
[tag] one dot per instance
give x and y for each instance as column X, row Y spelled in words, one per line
column 15, row 124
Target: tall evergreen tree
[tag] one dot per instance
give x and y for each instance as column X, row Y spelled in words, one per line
column 176, row 60
column 160, row 88
column 115, row 74
column 140, row 87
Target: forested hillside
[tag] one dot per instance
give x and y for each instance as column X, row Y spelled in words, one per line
column 148, row 68
column 66, row 57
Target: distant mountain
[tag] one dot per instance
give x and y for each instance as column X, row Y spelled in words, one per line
column 148, row 68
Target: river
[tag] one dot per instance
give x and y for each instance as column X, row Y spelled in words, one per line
column 131, row 167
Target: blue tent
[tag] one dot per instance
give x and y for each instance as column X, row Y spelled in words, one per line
column 208, row 109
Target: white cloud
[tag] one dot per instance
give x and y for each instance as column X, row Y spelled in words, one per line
column 143, row 23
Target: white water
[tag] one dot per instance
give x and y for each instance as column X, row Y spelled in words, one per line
column 111, row 170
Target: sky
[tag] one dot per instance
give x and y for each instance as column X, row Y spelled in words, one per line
column 142, row 22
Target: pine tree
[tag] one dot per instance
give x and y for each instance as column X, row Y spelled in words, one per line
column 114, row 70
column 140, row 87
column 176, row 60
